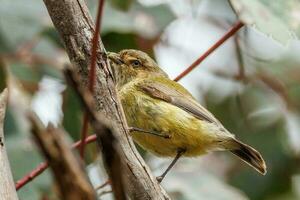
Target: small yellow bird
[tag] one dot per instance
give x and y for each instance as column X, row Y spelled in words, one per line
column 165, row 118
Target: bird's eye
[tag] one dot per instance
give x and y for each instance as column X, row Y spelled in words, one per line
column 136, row 63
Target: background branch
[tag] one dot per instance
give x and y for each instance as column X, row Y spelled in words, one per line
column 70, row 176
column 7, row 188
column 215, row 46
column 44, row 165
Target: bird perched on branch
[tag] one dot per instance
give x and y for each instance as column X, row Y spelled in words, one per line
column 165, row 118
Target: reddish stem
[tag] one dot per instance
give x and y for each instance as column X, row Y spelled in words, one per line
column 95, row 40
column 44, row 165
column 84, row 131
column 92, row 73
column 229, row 33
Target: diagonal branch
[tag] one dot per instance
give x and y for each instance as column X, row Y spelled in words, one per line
column 73, row 22
column 7, row 188
column 69, row 174
column 106, row 139
column 227, row 35
column 92, row 73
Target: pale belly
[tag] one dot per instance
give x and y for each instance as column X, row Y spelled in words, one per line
column 185, row 131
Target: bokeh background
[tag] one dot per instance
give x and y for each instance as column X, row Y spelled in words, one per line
column 251, row 84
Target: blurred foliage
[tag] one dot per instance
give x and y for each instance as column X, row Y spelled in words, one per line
column 24, row 73
column 51, row 34
column 121, row 4
column 23, row 156
column 72, row 114
column 256, row 96
column 278, row 19
column 128, row 40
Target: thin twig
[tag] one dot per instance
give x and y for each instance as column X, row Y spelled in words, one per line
column 240, row 60
column 84, row 131
column 229, row 33
column 104, row 192
column 92, row 72
column 132, row 129
column 103, row 185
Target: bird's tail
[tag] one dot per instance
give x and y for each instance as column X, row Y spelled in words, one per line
column 247, row 154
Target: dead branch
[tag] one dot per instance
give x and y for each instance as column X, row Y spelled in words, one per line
column 73, row 22
column 105, row 137
column 44, row 165
column 7, row 187
column 69, row 174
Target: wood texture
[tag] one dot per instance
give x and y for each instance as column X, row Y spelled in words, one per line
column 75, row 26
column 106, row 138
column 7, row 186
column 69, row 174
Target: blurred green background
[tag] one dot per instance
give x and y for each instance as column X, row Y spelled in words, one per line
column 251, row 84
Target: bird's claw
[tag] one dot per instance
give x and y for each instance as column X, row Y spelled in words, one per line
column 149, row 132
column 159, row 178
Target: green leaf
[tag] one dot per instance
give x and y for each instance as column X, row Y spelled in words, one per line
column 277, row 19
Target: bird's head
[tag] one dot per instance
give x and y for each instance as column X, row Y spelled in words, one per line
column 130, row 64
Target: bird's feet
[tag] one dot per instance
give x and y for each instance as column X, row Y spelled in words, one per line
column 159, row 178
column 180, row 152
column 149, row 132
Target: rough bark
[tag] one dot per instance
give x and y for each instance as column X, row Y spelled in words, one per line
column 107, row 141
column 69, row 174
column 7, row 186
column 75, row 26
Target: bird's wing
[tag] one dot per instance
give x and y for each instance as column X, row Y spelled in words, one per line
column 178, row 97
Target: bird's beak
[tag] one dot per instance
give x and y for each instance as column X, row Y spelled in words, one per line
column 114, row 57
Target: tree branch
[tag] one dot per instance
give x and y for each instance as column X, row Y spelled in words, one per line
column 70, row 177
column 107, row 141
column 44, row 165
column 92, row 73
column 7, row 188
column 215, row 46
column 73, row 22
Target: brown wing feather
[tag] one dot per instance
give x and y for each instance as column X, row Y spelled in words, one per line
column 174, row 97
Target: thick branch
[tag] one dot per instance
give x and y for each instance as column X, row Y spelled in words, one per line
column 73, row 22
column 70, row 177
column 107, row 141
column 7, row 187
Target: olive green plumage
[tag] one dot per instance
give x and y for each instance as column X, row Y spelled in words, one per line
column 153, row 102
